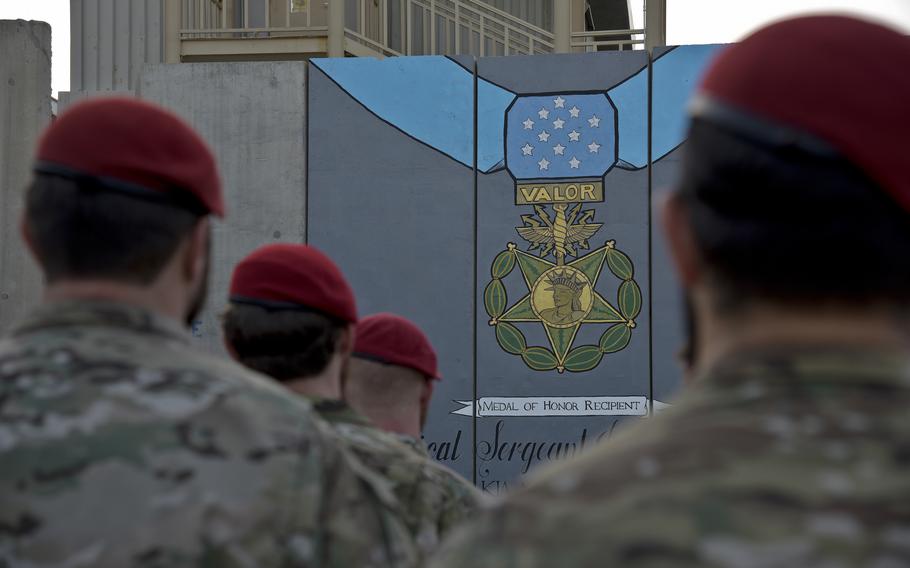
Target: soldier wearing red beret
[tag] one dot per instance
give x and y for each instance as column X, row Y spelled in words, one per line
column 391, row 383
column 120, row 444
column 790, row 229
column 292, row 317
column 392, row 376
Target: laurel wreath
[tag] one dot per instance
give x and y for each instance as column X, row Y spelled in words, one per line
column 584, row 357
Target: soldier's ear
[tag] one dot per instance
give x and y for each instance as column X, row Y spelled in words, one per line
column 427, row 393
column 27, row 238
column 680, row 240
column 346, row 340
column 195, row 259
column 229, row 347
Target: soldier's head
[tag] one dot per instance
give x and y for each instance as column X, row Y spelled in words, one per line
column 392, row 373
column 292, row 316
column 118, row 207
column 794, row 195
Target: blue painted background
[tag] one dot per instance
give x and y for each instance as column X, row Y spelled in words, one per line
column 393, row 197
column 556, row 136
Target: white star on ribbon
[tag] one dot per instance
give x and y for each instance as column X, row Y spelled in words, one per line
column 559, row 149
column 543, row 136
column 594, row 121
column 559, row 102
column 558, row 123
column 593, row 147
column 529, row 124
column 573, row 136
column 543, row 113
column 574, row 163
column 544, row 164
column 527, row 149
column 573, row 112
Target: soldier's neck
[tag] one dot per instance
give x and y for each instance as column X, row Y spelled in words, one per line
column 325, row 385
column 767, row 326
column 153, row 298
column 398, row 424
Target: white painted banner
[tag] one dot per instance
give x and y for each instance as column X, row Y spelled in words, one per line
column 557, row 406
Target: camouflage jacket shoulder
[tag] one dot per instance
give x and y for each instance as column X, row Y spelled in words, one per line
column 787, row 457
column 434, row 499
column 415, row 444
column 120, row 445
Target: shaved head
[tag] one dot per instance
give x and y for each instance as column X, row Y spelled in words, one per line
column 393, row 398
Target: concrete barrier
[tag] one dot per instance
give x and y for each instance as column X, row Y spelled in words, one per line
column 69, row 98
column 253, row 115
column 25, row 110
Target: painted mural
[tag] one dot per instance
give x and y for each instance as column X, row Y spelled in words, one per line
column 504, row 204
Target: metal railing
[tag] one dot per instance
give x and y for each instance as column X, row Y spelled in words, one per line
column 617, row 39
column 451, row 27
column 239, row 19
column 393, row 27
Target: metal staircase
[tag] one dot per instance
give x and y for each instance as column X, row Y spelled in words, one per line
column 377, row 28
column 444, row 27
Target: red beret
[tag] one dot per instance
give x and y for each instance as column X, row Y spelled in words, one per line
column 841, row 80
column 133, row 146
column 393, row 340
column 284, row 275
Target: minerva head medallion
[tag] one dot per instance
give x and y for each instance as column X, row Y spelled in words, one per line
column 558, row 149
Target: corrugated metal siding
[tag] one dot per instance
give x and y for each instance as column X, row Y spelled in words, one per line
column 536, row 12
column 111, row 40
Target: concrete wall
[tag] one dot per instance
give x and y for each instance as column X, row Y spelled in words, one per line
column 111, row 40
column 25, row 109
column 253, row 115
column 68, row 98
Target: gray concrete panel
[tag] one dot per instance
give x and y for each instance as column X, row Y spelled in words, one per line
column 67, row 98
column 253, row 116
column 673, row 83
column 25, row 110
column 397, row 216
column 667, row 295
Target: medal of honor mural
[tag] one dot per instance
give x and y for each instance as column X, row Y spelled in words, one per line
column 562, row 298
column 520, row 187
column 558, row 149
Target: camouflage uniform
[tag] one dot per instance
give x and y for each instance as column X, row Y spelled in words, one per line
column 122, row 446
column 782, row 458
column 415, row 444
column 434, row 499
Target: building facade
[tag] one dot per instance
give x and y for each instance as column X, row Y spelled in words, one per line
column 113, row 39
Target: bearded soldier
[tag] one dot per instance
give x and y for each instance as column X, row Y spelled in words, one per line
column 293, row 317
column 790, row 229
column 120, row 444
